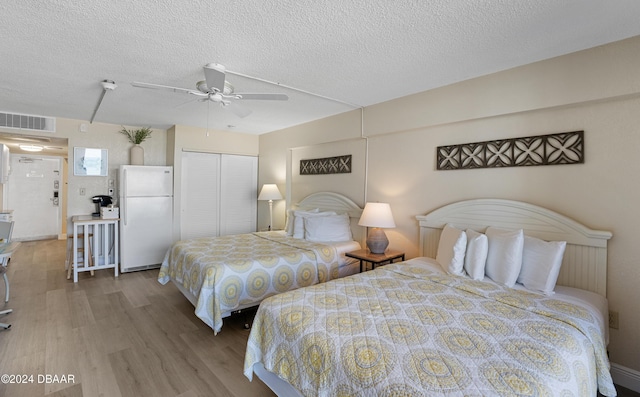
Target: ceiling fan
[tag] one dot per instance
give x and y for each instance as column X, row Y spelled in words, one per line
column 216, row 88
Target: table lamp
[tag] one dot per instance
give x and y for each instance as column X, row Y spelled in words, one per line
column 270, row 192
column 377, row 216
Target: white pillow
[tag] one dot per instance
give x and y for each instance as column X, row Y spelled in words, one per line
column 504, row 258
column 328, row 228
column 476, row 255
column 541, row 261
column 298, row 223
column 288, row 226
column 451, row 249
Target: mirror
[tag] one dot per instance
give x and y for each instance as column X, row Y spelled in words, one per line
column 90, row 162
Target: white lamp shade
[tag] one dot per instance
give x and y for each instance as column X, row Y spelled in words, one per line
column 377, row 215
column 270, row 192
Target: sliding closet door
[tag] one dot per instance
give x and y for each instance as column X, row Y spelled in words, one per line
column 238, row 194
column 219, row 194
column 200, row 208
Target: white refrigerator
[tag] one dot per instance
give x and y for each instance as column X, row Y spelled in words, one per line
column 146, row 215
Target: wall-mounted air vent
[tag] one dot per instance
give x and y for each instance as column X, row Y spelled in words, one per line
column 27, row 122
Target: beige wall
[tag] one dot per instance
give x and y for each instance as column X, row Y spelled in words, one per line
column 596, row 90
column 275, row 162
column 350, row 184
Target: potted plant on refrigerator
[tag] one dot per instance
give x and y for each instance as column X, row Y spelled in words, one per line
column 136, row 137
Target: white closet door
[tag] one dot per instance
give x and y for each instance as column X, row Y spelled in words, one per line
column 200, row 208
column 238, row 194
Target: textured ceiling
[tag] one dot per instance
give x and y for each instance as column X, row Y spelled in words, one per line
column 55, row 53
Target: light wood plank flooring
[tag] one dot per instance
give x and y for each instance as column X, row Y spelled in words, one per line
column 125, row 336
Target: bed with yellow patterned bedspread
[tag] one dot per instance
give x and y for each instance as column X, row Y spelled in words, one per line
column 228, row 273
column 402, row 330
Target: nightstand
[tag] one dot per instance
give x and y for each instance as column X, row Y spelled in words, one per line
column 364, row 255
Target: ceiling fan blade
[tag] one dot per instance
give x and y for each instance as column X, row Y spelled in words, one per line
column 165, row 88
column 214, row 74
column 268, row 97
column 236, row 109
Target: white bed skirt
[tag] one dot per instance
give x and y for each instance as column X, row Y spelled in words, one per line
column 277, row 385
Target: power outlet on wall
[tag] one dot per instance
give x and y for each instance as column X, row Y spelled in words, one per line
column 613, row 319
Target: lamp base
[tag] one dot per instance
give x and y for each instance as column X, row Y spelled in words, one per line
column 377, row 241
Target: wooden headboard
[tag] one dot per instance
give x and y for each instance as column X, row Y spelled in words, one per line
column 585, row 259
column 330, row 201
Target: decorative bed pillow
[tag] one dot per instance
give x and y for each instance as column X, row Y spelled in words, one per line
column 288, row 226
column 297, row 227
column 476, row 255
column 504, row 258
column 328, row 228
column 541, row 261
column 451, row 250
column 298, row 223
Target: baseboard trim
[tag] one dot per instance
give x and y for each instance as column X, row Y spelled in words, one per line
column 625, row 377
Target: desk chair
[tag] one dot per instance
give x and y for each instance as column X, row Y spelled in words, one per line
column 6, row 230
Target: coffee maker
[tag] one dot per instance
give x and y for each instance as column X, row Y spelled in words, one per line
column 101, row 201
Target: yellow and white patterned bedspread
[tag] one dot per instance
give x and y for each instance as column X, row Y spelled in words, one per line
column 230, row 272
column 403, row 331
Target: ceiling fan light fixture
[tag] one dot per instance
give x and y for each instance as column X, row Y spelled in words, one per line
column 202, row 86
column 31, row 148
column 228, row 88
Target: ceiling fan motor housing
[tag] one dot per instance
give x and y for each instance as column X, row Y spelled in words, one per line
column 202, row 87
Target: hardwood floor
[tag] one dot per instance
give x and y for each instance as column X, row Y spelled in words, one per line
column 106, row 336
column 622, row 392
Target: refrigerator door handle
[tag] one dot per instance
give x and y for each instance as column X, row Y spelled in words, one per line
column 124, row 197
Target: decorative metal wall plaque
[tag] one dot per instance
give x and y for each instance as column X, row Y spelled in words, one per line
column 328, row 165
column 553, row 149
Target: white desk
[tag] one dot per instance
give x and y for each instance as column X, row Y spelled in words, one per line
column 104, row 244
